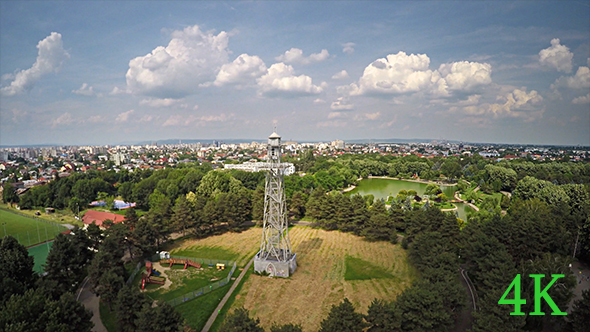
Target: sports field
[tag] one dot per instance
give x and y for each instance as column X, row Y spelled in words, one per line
column 40, row 253
column 28, row 231
column 331, row 266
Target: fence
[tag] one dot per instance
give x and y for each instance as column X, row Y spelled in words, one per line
column 134, row 273
column 207, row 289
column 35, row 234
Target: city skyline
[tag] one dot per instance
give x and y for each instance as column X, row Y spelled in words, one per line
column 82, row 73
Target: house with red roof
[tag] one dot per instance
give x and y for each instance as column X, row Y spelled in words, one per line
column 98, row 217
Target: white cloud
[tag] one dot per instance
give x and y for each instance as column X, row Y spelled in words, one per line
column 465, row 75
column 117, row 91
column 122, row 117
column 340, row 75
column 518, row 104
column 471, row 100
column 582, row 99
column 146, row 118
column 191, row 58
column 348, row 48
column 95, row 119
column 335, row 115
column 295, row 55
column 281, row 80
column 342, row 103
column 64, row 119
column 319, row 101
column 195, row 108
column 557, row 56
column 49, row 59
column 85, row 90
column 182, row 120
column 580, row 80
column 243, row 69
column 403, row 74
column 164, row 102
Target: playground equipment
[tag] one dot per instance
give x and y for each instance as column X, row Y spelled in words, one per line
column 186, row 262
column 149, row 278
column 220, row 266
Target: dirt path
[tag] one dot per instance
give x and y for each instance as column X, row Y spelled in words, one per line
column 226, row 297
column 162, row 271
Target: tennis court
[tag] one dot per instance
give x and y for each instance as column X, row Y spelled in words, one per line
column 40, row 253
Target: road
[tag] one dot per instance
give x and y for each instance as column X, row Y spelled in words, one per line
column 91, row 302
column 226, row 297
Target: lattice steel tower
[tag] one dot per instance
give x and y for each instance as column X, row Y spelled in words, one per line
column 275, row 256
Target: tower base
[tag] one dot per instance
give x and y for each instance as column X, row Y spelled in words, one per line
column 275, row 267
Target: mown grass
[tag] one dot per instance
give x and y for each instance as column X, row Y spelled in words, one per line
column 185, row 281
column 27, row 231
column 196, row 312
column 108, row 318
column 231, row 300
column 59, row 217
column 358, row 269
column 209, row 252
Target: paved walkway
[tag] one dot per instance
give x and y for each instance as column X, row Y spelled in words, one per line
column 91, row 302
column 582, row 274
column 226, row 297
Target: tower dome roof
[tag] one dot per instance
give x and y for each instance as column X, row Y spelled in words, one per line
column 274, row 135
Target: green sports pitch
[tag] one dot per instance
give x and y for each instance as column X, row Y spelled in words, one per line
column 28, row 231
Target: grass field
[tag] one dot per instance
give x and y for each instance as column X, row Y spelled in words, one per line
column 319, row 282
column 27, row 231
column 59, row 217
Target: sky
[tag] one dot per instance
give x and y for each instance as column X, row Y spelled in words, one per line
column 117, row 72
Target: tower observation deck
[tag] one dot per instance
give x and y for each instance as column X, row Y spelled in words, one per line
column 275, row 256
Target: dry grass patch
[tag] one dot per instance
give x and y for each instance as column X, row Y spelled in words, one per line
column 307, row 296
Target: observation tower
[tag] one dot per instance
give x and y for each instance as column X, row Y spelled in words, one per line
column 275, row 256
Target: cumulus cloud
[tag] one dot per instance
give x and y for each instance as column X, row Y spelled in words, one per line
column 405, row 74
column 117, row 91
column 557, row 56
column 95, row 119
column 372, row 116
column 50, row 58
column 122, row 117
column 85, row 90
column 192, row 58
column 146, row 118
column 340, row 75
column 348, row 48
column 163, row 102
column 243, row 69
column 296, row 56
column 335, row 115
column 64, row 119
column 281, row 80
column 465, row 75
column 182, row 120
column 582, row 99
column 342, row 103
column 518, row 104
column 580, row 80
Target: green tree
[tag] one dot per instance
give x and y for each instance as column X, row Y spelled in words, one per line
column 343, row 318
column 109, row 285
column 381, row 316
column 239, row 321
column 297, row 206
column 127, row 306
column 9, row 194
column 182, row 218
column 286, row 328
column 16, row 268
column 580, row 315
column 67, row 259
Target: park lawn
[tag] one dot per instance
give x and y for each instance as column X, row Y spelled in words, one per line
column 207, row 252
column 319, row 281
column 27, row 231
column 358, row 269
column 196, row 312
column 185, row 281
column 59, row 217
column 230, row 301
column 108, row 318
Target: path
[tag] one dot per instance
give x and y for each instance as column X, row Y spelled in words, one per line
column 465, row 321
column 457, row 197
column 439, row 183
column 91, row 302
column 226, row 297
column 581, row 282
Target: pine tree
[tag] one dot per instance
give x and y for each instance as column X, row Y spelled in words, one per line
column 16, row 268
column 343, row 318
column 239, row 321
column 127, row 306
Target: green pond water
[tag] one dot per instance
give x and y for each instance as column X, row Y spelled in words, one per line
column 381, row 188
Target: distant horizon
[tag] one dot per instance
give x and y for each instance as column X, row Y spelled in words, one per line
column 173, row 141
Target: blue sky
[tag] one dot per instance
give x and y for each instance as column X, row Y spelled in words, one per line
column 93, row 72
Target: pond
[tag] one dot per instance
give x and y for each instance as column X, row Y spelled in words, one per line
column 381, row 188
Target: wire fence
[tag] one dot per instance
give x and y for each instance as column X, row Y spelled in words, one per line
column 38, row 233
column 203, row 290
column 134, row 273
